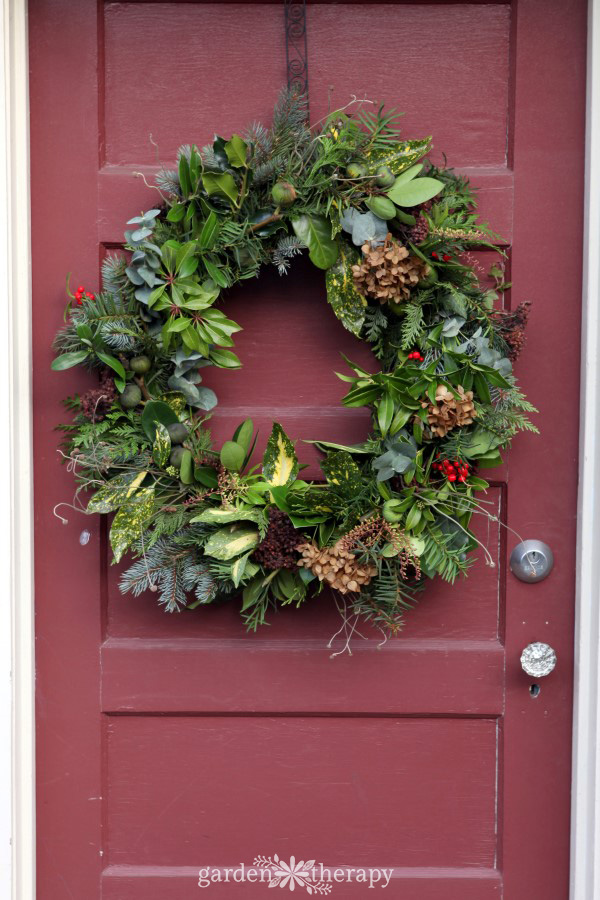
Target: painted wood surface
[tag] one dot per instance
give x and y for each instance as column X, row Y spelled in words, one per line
column 170, row 742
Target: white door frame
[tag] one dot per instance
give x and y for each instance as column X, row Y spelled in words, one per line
column 17, row 769
column 17, row 806
column 585, row 825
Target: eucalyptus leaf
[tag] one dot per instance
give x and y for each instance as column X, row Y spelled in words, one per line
column 364, row 227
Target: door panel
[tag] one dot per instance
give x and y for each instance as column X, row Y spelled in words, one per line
column 167, row 743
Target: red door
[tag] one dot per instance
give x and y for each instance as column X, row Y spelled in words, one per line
column 171, row 743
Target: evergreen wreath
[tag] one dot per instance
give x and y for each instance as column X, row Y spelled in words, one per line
column 393, row 234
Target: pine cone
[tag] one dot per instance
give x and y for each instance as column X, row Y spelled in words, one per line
column 388, row 272
column 449, row 411
column 335, row 566
column 277, row 548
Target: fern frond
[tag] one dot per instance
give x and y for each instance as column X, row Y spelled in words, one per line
column 413, row 325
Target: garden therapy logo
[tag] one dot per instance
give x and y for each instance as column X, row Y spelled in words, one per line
column 313, row 877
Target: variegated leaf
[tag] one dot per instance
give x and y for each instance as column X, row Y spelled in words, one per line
column 398, row 157
column 342, row 473
column 175, row 400
column 227, row 543
column 130, row 520
column 243, row 567
column 223, row 516
column 348, row 305
column 115, row 492
column 162, row 445
column 280, row 463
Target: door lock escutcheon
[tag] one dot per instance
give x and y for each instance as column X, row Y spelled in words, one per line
column 531, row 561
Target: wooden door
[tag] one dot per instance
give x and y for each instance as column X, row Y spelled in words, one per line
column 168, row 743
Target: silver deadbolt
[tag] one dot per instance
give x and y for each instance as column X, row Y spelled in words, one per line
column 538, row 660
column 531, row 561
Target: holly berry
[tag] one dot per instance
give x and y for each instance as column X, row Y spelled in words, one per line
column 446, row 257
column 434, row 255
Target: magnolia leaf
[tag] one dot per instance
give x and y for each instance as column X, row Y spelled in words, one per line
column 206, row 475
column 226, row 543
column 68, row 360
column 186, row 467
column 342, row 473
column 222, row 516
column 408, row 174
column 315, row 233
column 115, row 492
column 156, row 411
column 162, row 445
column 416, row 191
column 398, row 157
column 280, row 463
column 210, row 231
column 346, row 302
column 129, row 522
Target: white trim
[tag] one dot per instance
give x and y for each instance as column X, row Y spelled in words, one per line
column 585, row 826
column 17, row 811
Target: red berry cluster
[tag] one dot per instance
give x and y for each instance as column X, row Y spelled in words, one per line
column 416, row 355
column 446, row 256
column 80, row 293
column 454, row 471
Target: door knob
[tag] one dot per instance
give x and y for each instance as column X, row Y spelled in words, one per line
column 538, row 659
column 531, row 561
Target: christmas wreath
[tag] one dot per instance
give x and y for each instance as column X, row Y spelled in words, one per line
column 393, row 234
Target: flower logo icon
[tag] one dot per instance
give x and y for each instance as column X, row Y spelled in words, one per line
column 293, row 874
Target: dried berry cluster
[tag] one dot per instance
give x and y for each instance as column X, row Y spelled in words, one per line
column 388, row 272
column 277, row 550
column 96, row 402
column 511, row 324
column 419, row 231
column 365, row 533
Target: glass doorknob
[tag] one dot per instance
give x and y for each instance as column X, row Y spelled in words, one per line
column 538, row 659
